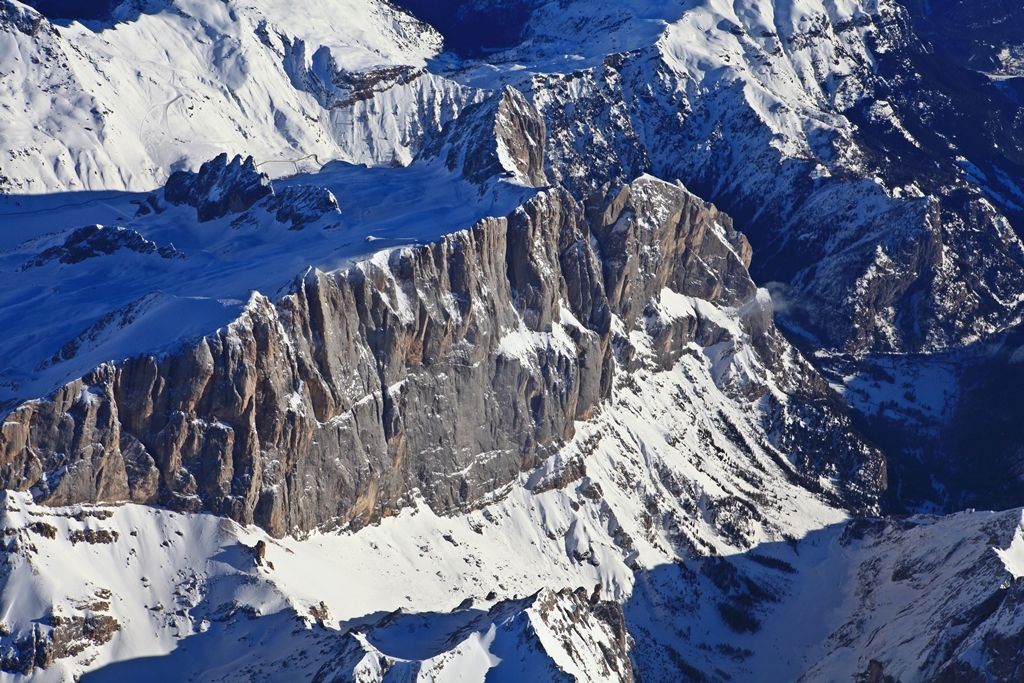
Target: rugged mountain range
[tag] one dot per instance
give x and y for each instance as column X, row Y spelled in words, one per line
column 403, row 342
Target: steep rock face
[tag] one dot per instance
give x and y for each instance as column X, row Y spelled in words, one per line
column 439, row 371
column 754, row 364
column 709, row 262
column 343, row 387
column 502, row 135
column 843, row 165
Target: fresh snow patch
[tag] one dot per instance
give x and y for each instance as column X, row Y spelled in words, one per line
column 1013, row 557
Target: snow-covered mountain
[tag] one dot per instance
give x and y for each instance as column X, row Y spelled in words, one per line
column 854, row 179
column 119, row 104
column 344, row 347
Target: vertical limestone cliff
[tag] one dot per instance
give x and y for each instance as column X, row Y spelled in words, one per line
column 438, row 372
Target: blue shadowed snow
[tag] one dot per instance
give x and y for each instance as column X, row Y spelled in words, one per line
column 113, row 306
column 83, row 10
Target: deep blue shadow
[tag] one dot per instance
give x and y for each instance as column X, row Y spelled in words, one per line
column 402, row 636
column 472, row 29
column 716, row 618
column 279, row 644
column 20, row 214
column 81, row 10
column 92, row 12
column 258, row 647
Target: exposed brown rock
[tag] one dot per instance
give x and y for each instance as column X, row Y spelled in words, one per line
column 331, row 405
column 259, row 552
column 62, row 637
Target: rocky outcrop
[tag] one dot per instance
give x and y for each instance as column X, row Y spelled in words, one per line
column 60, row 638
column 24, row 19
column 501, row 136
column 317, row 70
column 440, row 371
column 335, row 87
column 709, row 263
column 300, row 205
column 95, row 240
column 698, row 252
column 561, row 636
column 220, row 187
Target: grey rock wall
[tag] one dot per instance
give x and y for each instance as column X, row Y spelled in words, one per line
column 502, row 135
column 438, row 372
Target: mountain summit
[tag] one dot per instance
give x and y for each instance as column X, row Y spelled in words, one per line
column 491, row 339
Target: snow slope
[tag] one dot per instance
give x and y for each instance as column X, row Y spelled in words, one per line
column 120, row 105
column 458, row 596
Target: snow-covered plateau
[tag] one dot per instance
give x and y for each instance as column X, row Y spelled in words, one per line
column 337, row 346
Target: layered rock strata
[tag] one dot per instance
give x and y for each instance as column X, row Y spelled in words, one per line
column 437, row 372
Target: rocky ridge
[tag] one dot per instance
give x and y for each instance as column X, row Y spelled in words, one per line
column 328, row 406
column 502, row 135
column 550, row 624
column 903, row 252
column 94, row 240
column 219, row 187
column 594, row 373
